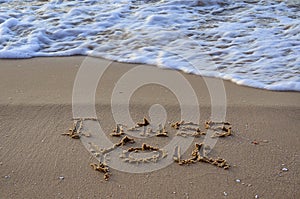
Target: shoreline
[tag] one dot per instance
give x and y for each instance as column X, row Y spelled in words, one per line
column 35, row 108
column 64, row 69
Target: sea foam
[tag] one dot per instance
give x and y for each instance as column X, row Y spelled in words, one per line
column 251, row 42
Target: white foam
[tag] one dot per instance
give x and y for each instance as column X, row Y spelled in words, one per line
column 253, row 43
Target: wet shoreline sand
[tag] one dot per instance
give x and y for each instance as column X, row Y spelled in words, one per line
column 35, row 101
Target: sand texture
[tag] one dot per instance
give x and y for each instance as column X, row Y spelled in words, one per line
column 36, row 161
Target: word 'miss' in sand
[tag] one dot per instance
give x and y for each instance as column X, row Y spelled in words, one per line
column 184, row 129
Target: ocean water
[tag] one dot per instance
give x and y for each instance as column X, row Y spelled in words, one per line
column 250, row 42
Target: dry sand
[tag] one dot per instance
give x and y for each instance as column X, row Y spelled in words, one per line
column 35, row 108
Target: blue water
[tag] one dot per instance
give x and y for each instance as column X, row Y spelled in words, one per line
column 254, row 43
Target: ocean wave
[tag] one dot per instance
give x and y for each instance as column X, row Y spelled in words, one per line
column 250, row 42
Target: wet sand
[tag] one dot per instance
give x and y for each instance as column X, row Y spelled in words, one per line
column 36, row 107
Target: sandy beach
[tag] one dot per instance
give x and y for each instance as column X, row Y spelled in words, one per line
column 36, row 161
